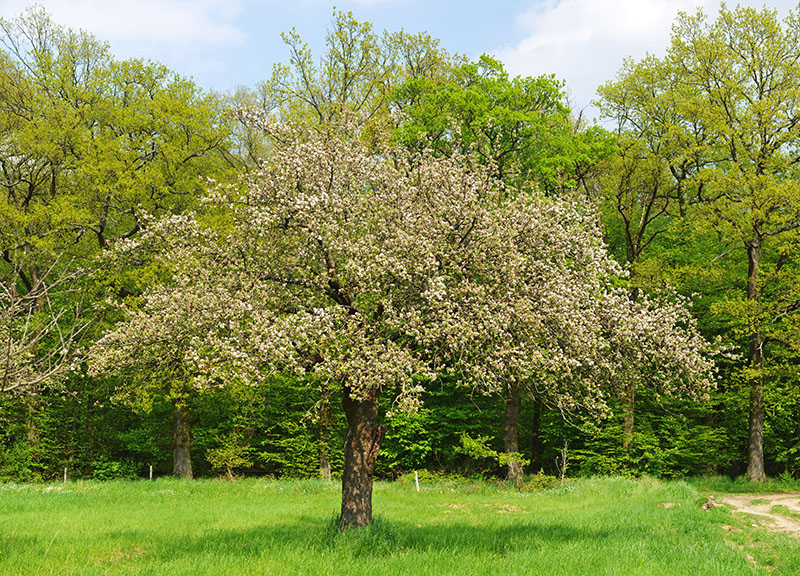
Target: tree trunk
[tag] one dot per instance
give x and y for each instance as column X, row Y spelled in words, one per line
column 361, row 447
column 536, row 432
column 755, row 447
column 324, row 458
column 181, row 458
column 628, row 418
column 511, row 433
column 324, row 436
column 31, row 422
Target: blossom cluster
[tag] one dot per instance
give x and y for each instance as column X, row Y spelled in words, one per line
column 379, row 268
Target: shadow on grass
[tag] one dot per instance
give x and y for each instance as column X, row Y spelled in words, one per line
column 316, row 536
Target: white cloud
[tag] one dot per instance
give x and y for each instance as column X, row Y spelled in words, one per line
column 343, row 4
column 172, row 25
column 585, row 41
column 193, row 37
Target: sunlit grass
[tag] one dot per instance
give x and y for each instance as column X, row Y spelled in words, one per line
column 166, row 527
column 742, row 485
column 785, row 511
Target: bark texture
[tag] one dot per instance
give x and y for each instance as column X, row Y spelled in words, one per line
column 628, row 418
column 324, row 460
column 755, row 447
column 536, row 435
column 361, row 446
column 511, row 433
column 324, row 436
column 181, row 457
column 755, row 444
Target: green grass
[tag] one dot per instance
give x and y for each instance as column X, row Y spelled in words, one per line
column 592, row 527
column 741, row 485
column 784, row 511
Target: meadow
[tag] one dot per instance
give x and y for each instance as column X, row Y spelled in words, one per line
column 169, row 527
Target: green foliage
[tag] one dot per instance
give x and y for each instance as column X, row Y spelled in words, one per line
column 673, row 438
column 146, row 439
column 520, row 126
column 104, row 143
column 707, row 139
column 17, row 463
column 539, row 481
column 290, row 430
column 782, row 429
column 356, row 75
column 232, row 454
column 478, row 449
column 428, row 440
column 93, row 147
column 408, row 443
column 104, row 469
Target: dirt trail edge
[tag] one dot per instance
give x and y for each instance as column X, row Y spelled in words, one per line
column 761, row 505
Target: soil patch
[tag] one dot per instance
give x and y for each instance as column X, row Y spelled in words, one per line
column 761, row 506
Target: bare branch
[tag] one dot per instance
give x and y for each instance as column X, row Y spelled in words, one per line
column 39, row 342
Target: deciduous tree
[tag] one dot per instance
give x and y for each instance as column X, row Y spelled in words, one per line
column 90, row 147
column 377, row 269
column 730, row 139
column 179, row 338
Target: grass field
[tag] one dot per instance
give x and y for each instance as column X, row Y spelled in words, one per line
column 167, row 527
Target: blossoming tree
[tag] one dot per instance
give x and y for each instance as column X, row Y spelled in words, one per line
column 181, row 337
column 377, row 269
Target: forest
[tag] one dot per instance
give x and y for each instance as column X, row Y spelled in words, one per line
column 388, row 258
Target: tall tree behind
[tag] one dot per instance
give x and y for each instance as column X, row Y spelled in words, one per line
column 644, row 186
column 356, row 75
column 519, row 126
column 733, row 82
column 90, row 149
column 92, row 145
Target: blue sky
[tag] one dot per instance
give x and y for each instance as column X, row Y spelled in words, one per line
column 226, row 43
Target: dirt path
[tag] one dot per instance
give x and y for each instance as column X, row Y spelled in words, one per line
column 761, row 505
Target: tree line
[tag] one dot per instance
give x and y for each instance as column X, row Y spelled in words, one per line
column 476, row 275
